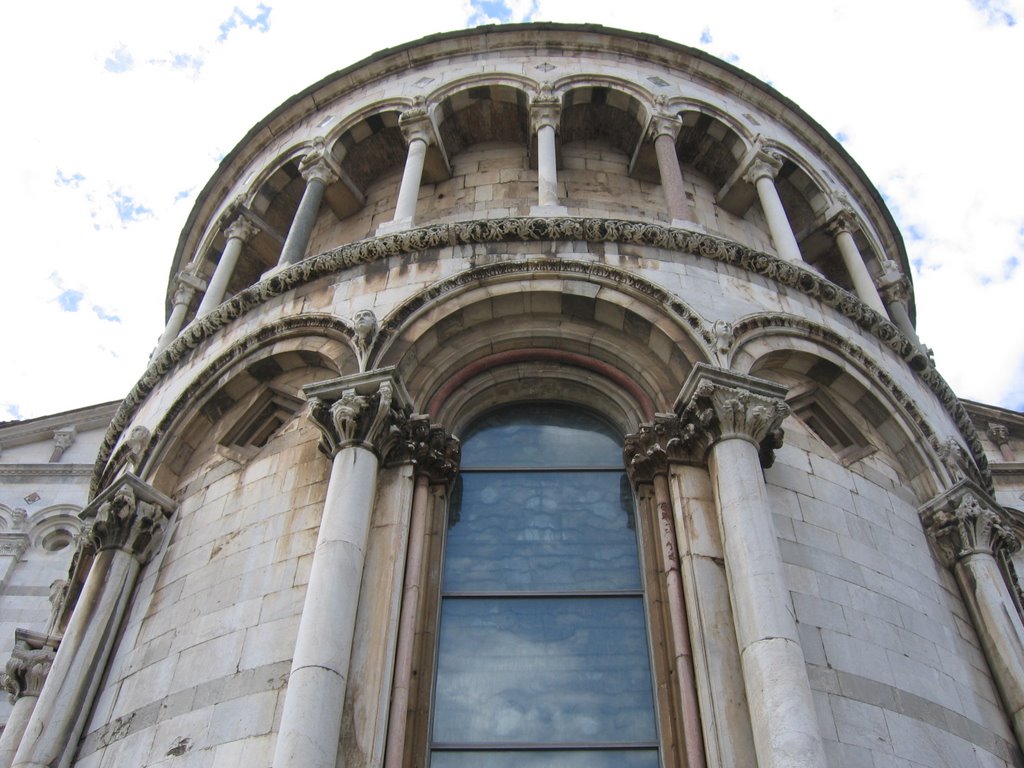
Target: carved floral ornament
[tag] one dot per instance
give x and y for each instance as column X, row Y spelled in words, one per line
column 26, row 670
column 129, row 515
column 433, row 451
column 715, row 405
column 965, row 521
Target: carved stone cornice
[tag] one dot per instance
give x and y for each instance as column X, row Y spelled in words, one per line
column 433, row 451
column 526, row 230
column 545, row 109
column 364, row 409
column 665, row 125
column 764, row 164
column 29, row 664
column 965, row 521
column 649, row 451
column 128, row 515
column 717, row 404
column 415, row 124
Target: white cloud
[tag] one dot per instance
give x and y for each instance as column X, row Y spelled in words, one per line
column 120, row 101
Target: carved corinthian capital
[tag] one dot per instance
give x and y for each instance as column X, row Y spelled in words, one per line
column 648, row 451
column 28, row 666
column 764, row 164
column 663, row 124
column 129, row 515
column 415, row 124
column 365, row 409
column 545, row 109
column 966, row 521
column 433, row 451
column 717, row 404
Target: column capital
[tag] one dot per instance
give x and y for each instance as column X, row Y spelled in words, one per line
column 764, row 164
column 29, row 664
column 241, row 229
column 433, row 450
column 128, row 515
column 363, row 409
column 896, row 291
column 716, row 404
column 415, row 124
column 999, row 433
column 965, row 521
column 545, row 109
column 649, row 451
column 664, row 124
column 843, row 221
column 190, row 281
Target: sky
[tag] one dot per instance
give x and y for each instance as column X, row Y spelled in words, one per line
column 118, row 111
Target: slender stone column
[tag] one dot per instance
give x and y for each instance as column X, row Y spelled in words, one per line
column 125, row 525
column 357, row 416
column 761, row 173
column 435, row 455
column 738, row 418
column 23, row 679
column 968, row 530
column 895, row 290
column 419, row 134
column 187, row 286
column 545, row 110
column 318, row 171
column 841, row 228
column 238, row 233
column 647, row 454
column 664, row 131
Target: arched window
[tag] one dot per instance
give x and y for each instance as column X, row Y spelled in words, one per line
column 543, row 657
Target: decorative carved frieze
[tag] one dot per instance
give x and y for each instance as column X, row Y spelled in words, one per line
column 365, row 409
column 28, row 666
column 716, row 404
column 966, row 521
column 433, row 451
column 129, row 515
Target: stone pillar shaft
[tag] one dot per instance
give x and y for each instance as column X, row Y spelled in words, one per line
column 778, row 222
column 237, row 234
column 693, row 747
column 412, row 176
column 188, row 284
column 297, row 241
column 52, row 733
column 863, row 285
column 311, row 721
column 399, row 713
column 14, row 730
column 782, row 712
column 671, row 178
column 547, row 171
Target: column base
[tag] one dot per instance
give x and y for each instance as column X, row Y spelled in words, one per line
column 549, row 210
column 398, row 225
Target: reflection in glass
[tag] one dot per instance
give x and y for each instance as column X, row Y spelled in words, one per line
column 541, row 435
column 547, row 530
column 613, row 758
column 543, row 670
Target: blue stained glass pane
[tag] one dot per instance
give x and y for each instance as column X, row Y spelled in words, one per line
column 543, row 670
column 613, row 758
column 541, row 435
column 516, row 531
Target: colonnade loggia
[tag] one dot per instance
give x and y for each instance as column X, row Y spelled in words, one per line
column 319, row 170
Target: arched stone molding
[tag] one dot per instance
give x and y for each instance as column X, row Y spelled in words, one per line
column 55, row 525
column 703, row 125
column 369, row 144
column 575, row 307
column 752, row 342
column 300, row 333
column 603, row 109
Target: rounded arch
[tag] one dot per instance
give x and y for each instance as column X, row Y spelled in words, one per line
column 491, row 324
column 369, row 144
column 710, row 141
column 835, row 379
column 603, row 110
column 226, row 391
column 54, row 528
column 477, row 110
